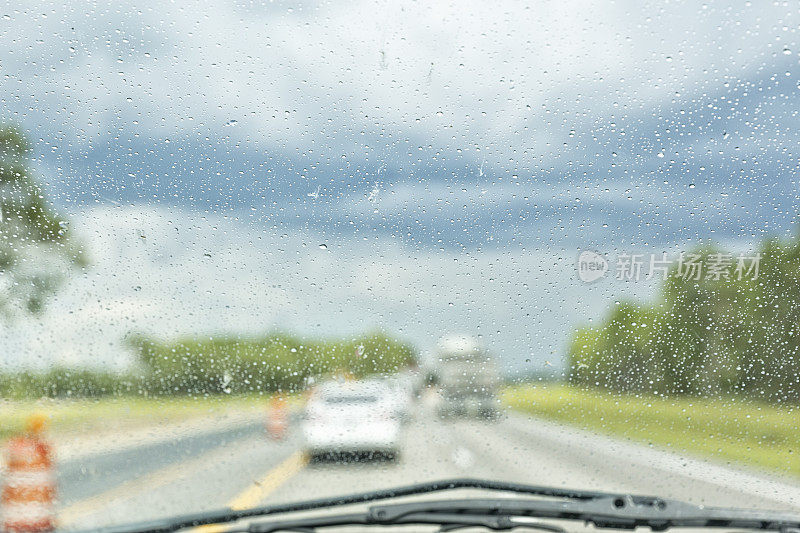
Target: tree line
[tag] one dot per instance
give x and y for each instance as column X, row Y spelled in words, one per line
column 226, row 365
column 724, row 334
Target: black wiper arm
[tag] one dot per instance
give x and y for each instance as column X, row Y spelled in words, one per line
column 601, row 508
column 448, row 522
column 619, row 512
column 221, row 516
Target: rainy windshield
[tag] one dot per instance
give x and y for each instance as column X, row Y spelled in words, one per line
column 260, row 252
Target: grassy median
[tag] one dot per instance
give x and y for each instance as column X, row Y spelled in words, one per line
column 116, row 412
column 735, row 431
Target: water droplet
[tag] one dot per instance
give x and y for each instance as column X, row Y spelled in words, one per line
column 226, row 383
column 323, row 246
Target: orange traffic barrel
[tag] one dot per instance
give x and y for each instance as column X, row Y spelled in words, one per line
column 27, row 500
column 277, row 417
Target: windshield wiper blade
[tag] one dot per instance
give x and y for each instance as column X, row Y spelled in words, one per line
column 600, row 508
column 618, row 512
column 221, row 516
column 447, row 522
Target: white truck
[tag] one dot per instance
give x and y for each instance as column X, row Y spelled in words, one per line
column 467, row 379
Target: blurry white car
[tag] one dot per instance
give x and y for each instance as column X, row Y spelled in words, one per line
column 355, row 416
column 401, row 395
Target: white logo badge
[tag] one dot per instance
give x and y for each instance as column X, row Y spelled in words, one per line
column 591, row 266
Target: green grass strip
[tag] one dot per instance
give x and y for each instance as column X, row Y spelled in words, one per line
column 119, row 412
column 733, row 431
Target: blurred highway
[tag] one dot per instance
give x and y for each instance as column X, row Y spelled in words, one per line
column 239, row 466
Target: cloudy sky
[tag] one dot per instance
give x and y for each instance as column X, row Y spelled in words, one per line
column 419, row 167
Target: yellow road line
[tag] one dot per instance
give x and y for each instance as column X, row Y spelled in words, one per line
column 274, row 479
column 259, row 490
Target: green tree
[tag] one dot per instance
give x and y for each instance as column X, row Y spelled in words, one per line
column 724, row 333
column 773, row 365
column 275, row 362
column 36, row 247
column 618, row 354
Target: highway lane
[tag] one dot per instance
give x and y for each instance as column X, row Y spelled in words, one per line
column 84, row 478
column 244, row 468
column 524, row 450
column 208, row 478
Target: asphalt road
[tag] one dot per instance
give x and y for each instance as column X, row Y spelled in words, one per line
column 241, row 467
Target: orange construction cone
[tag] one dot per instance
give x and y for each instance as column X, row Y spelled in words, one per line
column 277, row 418
column 29, row 489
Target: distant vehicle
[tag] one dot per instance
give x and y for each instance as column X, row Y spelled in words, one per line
column 467, row 379
column 352, row 417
